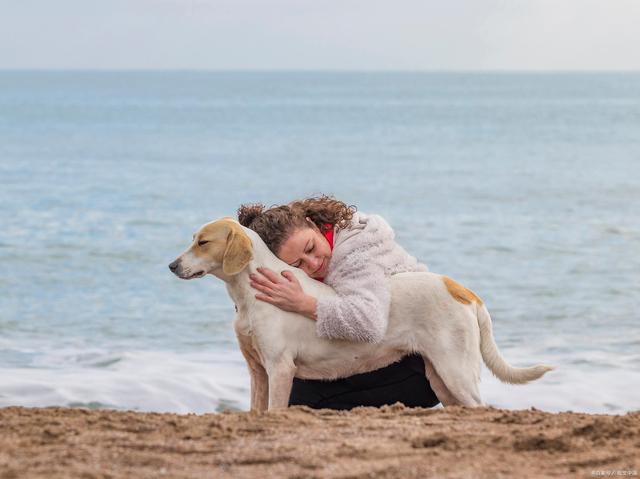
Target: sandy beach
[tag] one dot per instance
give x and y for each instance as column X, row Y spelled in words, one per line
column 392, row 442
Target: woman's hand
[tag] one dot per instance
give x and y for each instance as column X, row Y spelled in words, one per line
column 283, row 291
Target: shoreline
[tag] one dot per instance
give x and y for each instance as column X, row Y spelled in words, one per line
column 391, row 442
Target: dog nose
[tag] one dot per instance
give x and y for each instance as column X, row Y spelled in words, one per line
column 173, row 266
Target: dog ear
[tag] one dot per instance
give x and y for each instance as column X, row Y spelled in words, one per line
column 238, row 253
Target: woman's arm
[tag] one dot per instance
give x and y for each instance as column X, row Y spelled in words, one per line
column 360, row 310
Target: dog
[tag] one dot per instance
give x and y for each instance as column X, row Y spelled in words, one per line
column 430, row 314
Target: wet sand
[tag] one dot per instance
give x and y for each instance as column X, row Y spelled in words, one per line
column 392, row 442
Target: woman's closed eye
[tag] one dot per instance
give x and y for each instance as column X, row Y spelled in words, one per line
column 298, row 263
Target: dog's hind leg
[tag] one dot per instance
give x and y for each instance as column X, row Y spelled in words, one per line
column 280, row 382
column 461, row 384
column 438, row 385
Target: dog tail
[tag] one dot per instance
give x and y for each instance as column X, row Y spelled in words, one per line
column 494, row 360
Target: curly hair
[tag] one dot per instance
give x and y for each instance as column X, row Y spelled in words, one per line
column 274, row 225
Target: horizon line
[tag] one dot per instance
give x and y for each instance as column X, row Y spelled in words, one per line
column 314, row 70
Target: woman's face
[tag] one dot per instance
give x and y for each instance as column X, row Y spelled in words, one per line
column 307, row 249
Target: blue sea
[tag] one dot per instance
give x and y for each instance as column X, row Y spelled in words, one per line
column 524, row 187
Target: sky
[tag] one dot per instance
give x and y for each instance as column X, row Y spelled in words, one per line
column 321, row 34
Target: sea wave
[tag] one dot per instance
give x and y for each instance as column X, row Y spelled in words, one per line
column 144, row 381
column 160, row 381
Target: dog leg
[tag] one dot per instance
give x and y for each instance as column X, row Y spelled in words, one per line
column 438, row 385
column 259, row 389
column 259, row 379
column 461, row 385
column 280, row 384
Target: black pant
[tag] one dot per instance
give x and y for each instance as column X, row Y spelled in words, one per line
column 404, row 381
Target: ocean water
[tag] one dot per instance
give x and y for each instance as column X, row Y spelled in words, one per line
column 524, row 187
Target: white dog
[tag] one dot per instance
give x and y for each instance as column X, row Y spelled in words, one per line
column 430, row 314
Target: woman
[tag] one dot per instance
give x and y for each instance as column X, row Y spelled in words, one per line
column 353, row 253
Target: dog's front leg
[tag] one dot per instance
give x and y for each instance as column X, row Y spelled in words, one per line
column 259, row 389
column 281, row 376
column 259, row 380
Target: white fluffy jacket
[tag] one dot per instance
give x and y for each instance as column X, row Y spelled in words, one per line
column 364, row 255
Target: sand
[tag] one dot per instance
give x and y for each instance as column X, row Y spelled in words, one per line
column 392, row 442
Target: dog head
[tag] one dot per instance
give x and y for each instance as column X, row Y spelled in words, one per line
column 218, row 247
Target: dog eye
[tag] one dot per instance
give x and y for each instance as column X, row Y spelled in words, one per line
column 202, row 243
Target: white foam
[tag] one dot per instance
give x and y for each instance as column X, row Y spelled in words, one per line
column 589, row 380
column 567, row 389
column 145, row 381
column 163, row 381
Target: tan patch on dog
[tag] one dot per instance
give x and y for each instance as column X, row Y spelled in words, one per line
column 459, row 292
